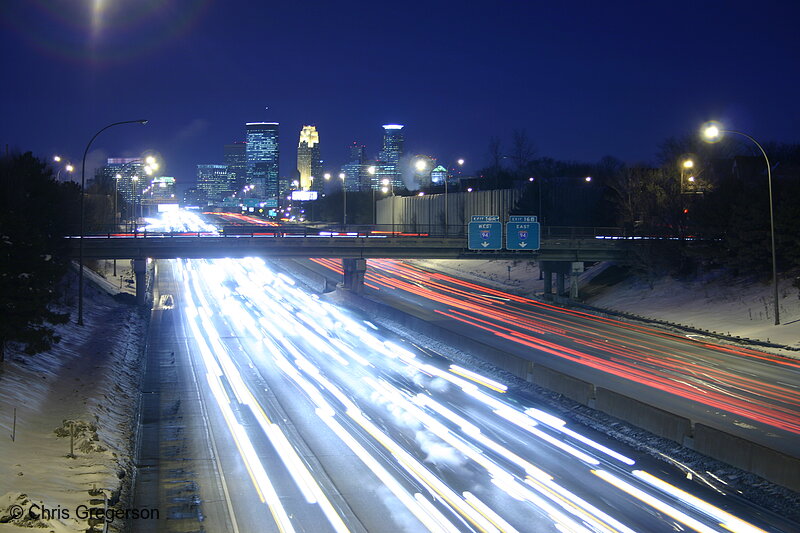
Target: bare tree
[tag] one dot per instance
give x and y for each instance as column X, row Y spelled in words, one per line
column 495, row 159
column 522, row 150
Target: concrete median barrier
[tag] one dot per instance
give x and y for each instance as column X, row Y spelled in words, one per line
column 762, row 461
column 655, row 420
column 573, row 388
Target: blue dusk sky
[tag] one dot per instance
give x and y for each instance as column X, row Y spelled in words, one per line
column 583, row 79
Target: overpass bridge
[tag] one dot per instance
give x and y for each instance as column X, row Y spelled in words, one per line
column 560, row 248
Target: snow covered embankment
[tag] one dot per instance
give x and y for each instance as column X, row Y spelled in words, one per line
column 84, row 390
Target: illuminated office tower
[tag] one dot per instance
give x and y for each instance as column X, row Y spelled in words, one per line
column 163, row 189
column 215, row 181
column 309, row 164
column 235, row 157
column 388, row 164
column 357, row 175
column 358, row 153
column 262, row 159
column 129, row 174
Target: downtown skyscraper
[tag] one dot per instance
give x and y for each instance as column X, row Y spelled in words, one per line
column 262, row 153
column 215, row 182
column 388, row 164
column 235, row 157
column 309, row 164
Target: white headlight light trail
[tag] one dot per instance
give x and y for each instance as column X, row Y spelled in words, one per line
column 484, row 509
column 580, row 507
column 654, row 502
column 728, row 520
column 254, row 466
column 517, row 491
column 288, row 455
column 477, row 378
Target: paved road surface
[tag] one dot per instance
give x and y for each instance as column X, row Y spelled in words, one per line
column 295, row 416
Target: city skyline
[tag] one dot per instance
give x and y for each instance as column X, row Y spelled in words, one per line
column 584, row 82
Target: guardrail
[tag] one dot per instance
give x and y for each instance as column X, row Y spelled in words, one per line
column 351, row 230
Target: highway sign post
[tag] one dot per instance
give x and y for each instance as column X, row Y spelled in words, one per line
column 522, row 233
column 485, row 233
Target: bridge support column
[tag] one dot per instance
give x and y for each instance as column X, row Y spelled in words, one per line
column 140, row 273
column 573, row 286
column 575, row 270
column 548, row 282
column 560, row 269
column 354, row 270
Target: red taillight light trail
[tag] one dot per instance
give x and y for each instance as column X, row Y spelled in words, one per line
column 676, row 370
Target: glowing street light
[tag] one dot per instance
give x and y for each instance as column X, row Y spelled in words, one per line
column 371, row 171
column 686, row 166
column 343, row 176
column 68, row 167
column 421, row 165
column 712, row 132
column 83, row 193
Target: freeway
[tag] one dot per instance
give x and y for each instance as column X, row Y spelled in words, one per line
column 320, row 421
column 739, row 390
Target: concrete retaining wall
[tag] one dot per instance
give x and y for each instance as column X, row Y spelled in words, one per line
column 736, row 451
column 653, row 419
column 574, row 388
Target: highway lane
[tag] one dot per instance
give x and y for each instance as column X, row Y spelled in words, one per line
column 340, row 429
column 740, row 390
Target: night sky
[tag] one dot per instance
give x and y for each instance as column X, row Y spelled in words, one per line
column 584, row 79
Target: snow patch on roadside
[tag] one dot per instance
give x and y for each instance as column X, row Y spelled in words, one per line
column 85, row 388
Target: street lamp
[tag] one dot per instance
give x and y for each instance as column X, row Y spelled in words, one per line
column 713, row 133
column 373, row 186
column 343, row 176
column 68, row 167
column 387, row 185
column 136, row 195
column 83, row 193
column 687, row 165
column 446, row 179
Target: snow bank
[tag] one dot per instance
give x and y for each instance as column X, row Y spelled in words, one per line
column 85, row 390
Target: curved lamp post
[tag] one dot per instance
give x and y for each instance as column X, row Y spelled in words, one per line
column 371, row 171
column 83, row 186
column 713, row 133
column 343, row 177
column 68, row 167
